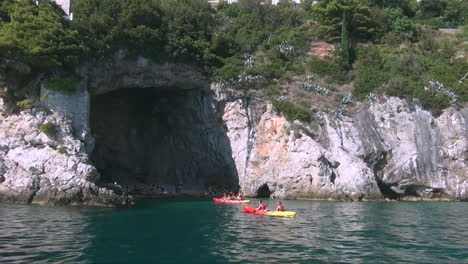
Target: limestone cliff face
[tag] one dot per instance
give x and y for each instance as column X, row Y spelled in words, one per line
column 160, row 123
column 152, row 124
column 35, row 168
column 385, row 150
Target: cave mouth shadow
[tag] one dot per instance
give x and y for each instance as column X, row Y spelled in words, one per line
column 263, row 191
column 153, row 139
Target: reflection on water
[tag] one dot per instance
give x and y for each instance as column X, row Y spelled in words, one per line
column 202, row 232
column 40, row 234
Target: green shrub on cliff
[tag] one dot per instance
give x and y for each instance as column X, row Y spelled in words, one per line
column 50, row 129
column 190, row 27
column 407, row 7
column 62, row 150
column 159, row 29
column 37, row 35
column 456, row 12
column 25, row 104
column 62, row 84
column 344, row 21
column 274, row 36
column 108, row 25
column 370, row 75
column 292, row 111
column 405, row 72
column 380, row 44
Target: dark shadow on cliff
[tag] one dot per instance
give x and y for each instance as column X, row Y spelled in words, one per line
column 167, row 137
column 263, row 191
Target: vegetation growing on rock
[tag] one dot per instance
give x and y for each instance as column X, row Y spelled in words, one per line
column 25, row 104
column 38, row 35
column 58, row 83
column 50, row 129
column 382, row 46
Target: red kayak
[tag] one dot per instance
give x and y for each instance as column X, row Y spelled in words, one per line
column 251, row 210
column 221, row 200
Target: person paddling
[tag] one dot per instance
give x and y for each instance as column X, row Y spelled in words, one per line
column 240, row 196
column 261, row 206
column 280, row 207
column 231, row 196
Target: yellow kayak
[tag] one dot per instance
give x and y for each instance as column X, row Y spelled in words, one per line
column 252, row 210
column 283, row 213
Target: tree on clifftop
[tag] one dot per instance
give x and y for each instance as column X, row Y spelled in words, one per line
column 408, row 7
column 37, row 35
column 347, row 21
column 109, row 25
column 190, row 27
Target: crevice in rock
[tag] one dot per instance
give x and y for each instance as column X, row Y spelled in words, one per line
column 327, row 168
column 412, row 190
column 245, row 104
column 427, row 145
column 423, row 191
column 333, row 177
column 385, row 188
column 263, row 191
column 219, row 110
column 31, row 196
column 253, row 118
column 377, row 153
column 3, row 170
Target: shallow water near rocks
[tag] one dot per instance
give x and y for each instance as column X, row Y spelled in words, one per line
column 190, row 231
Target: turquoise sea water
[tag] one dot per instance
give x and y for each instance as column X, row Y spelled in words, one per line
column 180, row 231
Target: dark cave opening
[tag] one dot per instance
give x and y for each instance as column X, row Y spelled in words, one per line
column 160, row 137
column 385, row 188
column 263, row 191
column 333, row 177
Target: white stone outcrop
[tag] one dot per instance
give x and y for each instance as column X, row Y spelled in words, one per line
column 385, row 150
column 36, row 168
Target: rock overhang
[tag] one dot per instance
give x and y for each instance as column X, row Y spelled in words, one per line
column 124, row 71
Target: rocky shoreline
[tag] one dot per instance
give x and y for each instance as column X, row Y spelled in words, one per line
column 424, row 158
column 385, row 150
column 272, row 155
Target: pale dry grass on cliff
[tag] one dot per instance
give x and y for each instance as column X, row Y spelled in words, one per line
column 317, row 101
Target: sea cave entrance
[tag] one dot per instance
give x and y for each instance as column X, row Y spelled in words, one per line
column 162, row 137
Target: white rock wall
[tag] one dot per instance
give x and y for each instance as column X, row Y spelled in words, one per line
column 37, row 169
column 384, row 151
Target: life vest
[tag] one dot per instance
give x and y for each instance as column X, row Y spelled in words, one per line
column 280, row 207
column 262, row 207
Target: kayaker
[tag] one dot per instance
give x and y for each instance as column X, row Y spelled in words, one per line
column 261, row 206
column 224, row 197
column 240, row 196
column 231, row 196
column 280, row 207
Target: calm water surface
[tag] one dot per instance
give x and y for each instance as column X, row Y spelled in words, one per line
column 176, row 231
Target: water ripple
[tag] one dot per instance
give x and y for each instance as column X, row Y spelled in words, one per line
column 201, row 232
